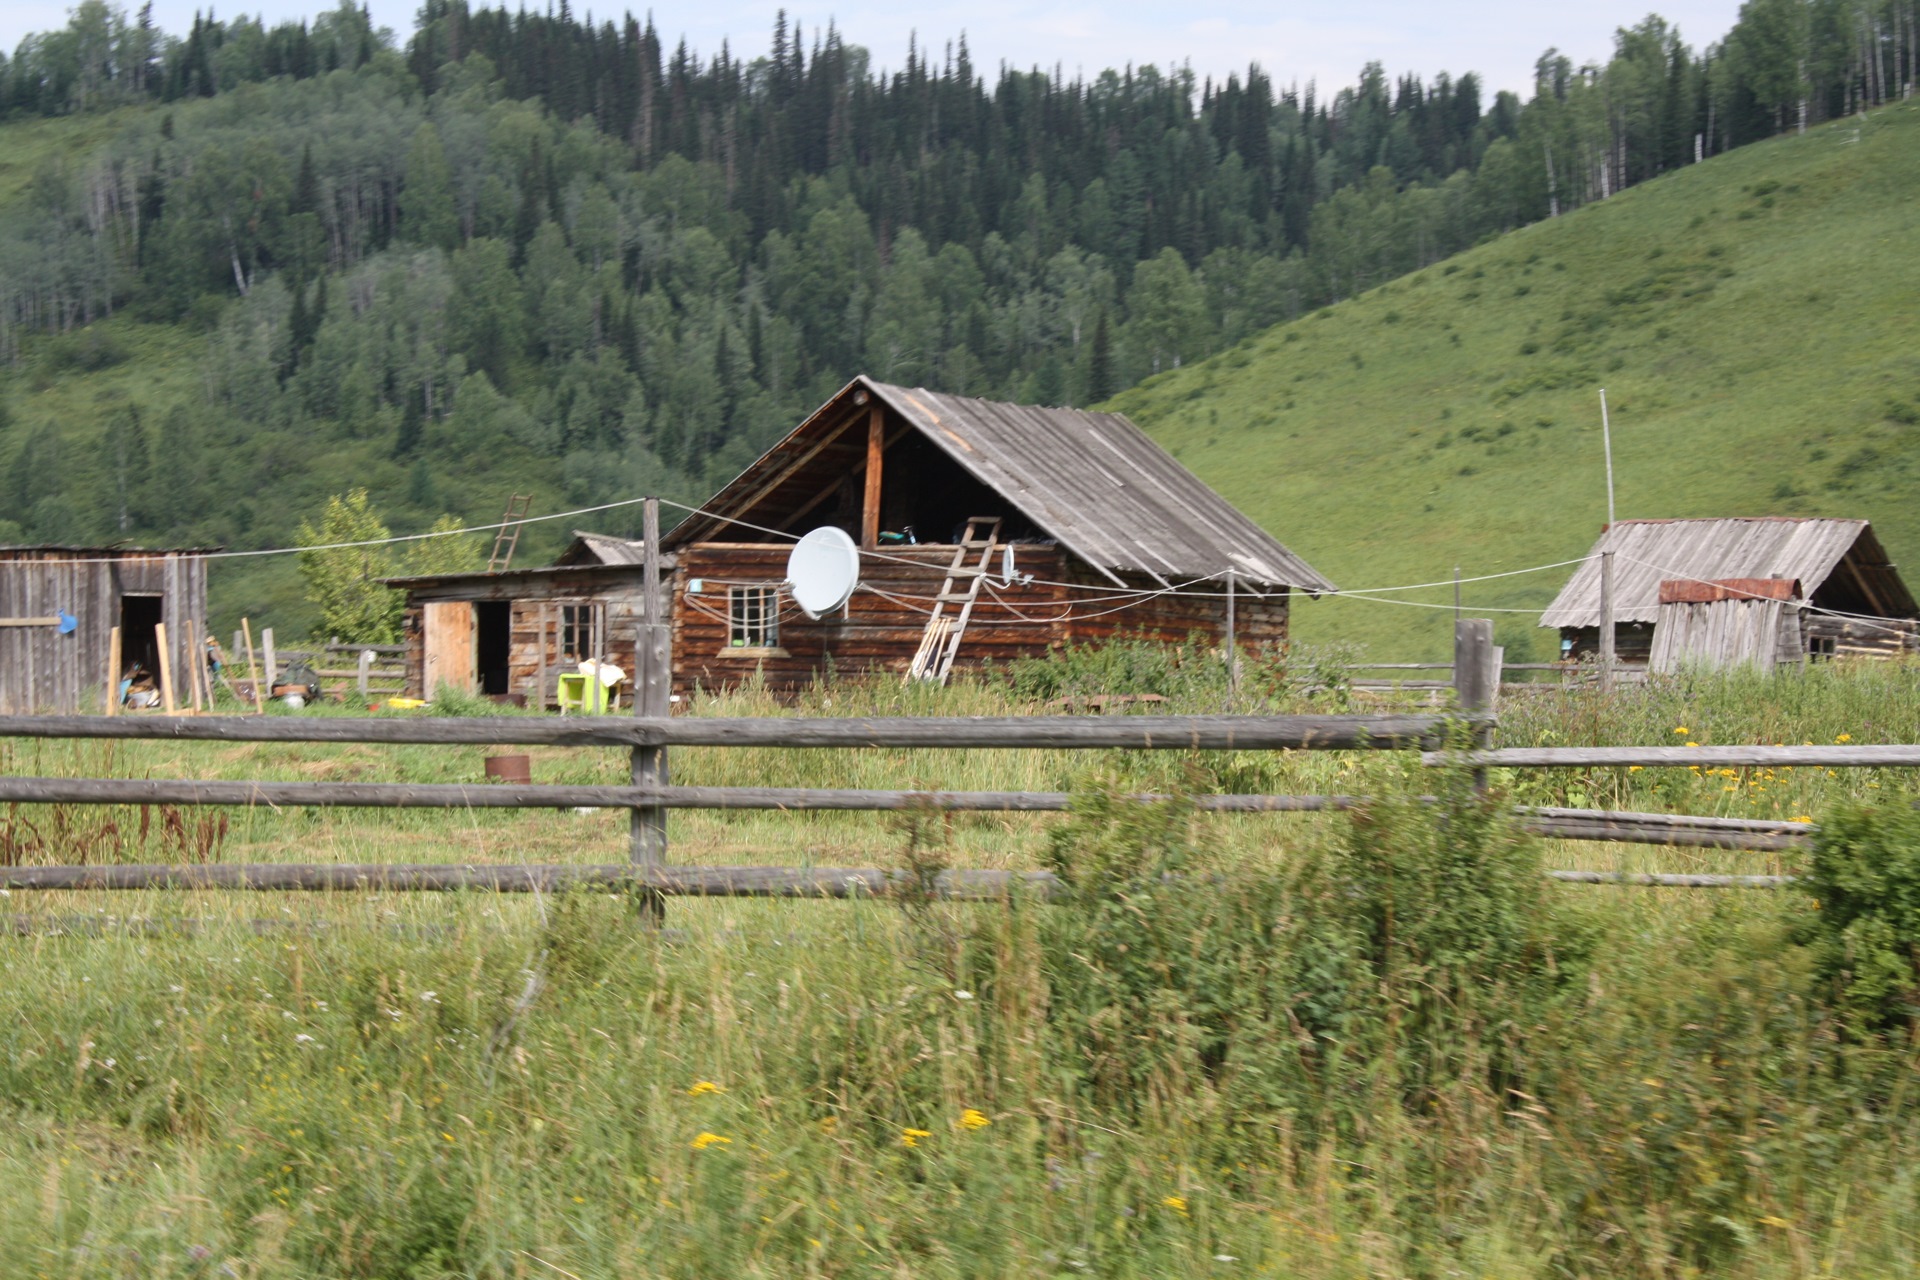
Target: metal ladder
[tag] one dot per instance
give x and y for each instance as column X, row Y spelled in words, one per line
column 509, row 535
column 941, row 642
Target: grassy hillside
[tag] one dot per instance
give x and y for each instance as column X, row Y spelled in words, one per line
column 1755, row 321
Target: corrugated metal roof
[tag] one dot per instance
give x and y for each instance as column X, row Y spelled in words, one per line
column 1646, row 552
column 1094, row 481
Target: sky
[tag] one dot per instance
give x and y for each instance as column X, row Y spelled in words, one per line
column 1327, row 43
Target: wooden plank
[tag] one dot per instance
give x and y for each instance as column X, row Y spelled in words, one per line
column 166, row 667
column 876, row 454
column 448, row 625
column 730, row 882
column 482, row 795
column 653, row 678
column 53, row 621
column 1658, row 880
column 1131, row 733
column 1840, row 756
column 113, row 671
column 269, row 668
column 253, row 672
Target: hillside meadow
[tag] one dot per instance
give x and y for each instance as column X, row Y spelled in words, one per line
column 1752, row 319
column 1377, row 1044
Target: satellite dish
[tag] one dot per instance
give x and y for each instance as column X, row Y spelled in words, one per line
column 822, row 571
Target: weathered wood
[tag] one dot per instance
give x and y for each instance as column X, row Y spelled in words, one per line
column 1138, row 733
column 1606, row 619
column 730, row 882
column 166, row 667
column 1675, row 836
column 1660, row 880
column 1837, row 756
column 268, row 667
column 876, row 454
column 652, row 682
column 113, row 671
column 718, row 882
column 1475, row 677
column 253, row 673
column 479, row 795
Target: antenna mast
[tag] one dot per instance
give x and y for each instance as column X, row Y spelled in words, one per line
column 1606, row 443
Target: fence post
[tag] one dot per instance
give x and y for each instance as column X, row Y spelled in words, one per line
column 1476, row 677
column 1606, row 622
column 366, row 668
column 268, row 670
column 653, row 682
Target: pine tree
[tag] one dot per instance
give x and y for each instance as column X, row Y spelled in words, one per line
column 1100, row 380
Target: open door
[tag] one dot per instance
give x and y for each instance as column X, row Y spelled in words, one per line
column 493, row 645
column 139, row 642
column 447, row 634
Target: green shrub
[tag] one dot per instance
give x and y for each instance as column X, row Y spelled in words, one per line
column 1864, row 879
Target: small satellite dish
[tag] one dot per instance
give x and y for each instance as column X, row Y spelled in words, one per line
column 822, row 571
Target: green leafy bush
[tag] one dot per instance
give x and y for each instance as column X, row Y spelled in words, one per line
column 1865, row 883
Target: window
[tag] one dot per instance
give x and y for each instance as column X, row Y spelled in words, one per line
column 1820, row 648
column 753, row 617
column 582, row 634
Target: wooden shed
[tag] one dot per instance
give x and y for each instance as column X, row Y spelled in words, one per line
column 1762, row 591
column 988, row 531
column 510, row 634
column 47, row 666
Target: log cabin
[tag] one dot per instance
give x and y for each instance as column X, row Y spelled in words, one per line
column 47, row 665
column 1761, row 591
column 987, row 532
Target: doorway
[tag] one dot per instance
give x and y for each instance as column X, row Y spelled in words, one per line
column 493, row 644
column 140, row 616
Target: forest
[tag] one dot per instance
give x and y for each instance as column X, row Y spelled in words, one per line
column 536, row 251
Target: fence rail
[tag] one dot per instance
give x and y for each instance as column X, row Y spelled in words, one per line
column 649, row 795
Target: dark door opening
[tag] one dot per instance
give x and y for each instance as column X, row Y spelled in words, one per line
column 139, row 615
column 493, row 644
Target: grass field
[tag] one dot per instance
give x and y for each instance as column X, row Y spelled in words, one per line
column 1145, row 1081
column 1752, row 319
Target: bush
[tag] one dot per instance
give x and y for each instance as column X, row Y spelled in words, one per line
column 1864, row 879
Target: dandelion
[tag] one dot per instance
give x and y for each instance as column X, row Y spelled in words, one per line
column 701, row 1087
column 911, row 1137
column 1804, row 817
column 704, row 1140
column 1682, row 729
column 1845, row 737
column 972, row 1119
column 1176, row 1203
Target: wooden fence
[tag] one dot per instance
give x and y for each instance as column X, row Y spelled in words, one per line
column 649, row 795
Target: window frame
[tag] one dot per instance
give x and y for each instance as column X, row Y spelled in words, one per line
column 753, row 619
column 582, row 620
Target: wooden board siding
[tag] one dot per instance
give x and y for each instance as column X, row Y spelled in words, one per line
column 1854, row 638
column 882, row 627
column 447, row 628
column 44, row 671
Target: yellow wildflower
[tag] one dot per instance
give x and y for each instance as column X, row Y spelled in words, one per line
column 911, row 1137
column 1682, row 729
column 1176, row 1203
column 704, row 1087
column 829, row 1123
column 1804, row 817
column 972, row 1119
column 1845, row 737
column 705, row 1140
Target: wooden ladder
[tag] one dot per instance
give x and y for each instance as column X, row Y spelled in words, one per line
column 509, row 535
column 941, row 642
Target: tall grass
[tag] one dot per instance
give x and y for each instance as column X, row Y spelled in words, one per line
column 1376, row 1044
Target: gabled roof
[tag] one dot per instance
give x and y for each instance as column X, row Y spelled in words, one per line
column 1094, row 481
column 1647, row 552
column 602, row 548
